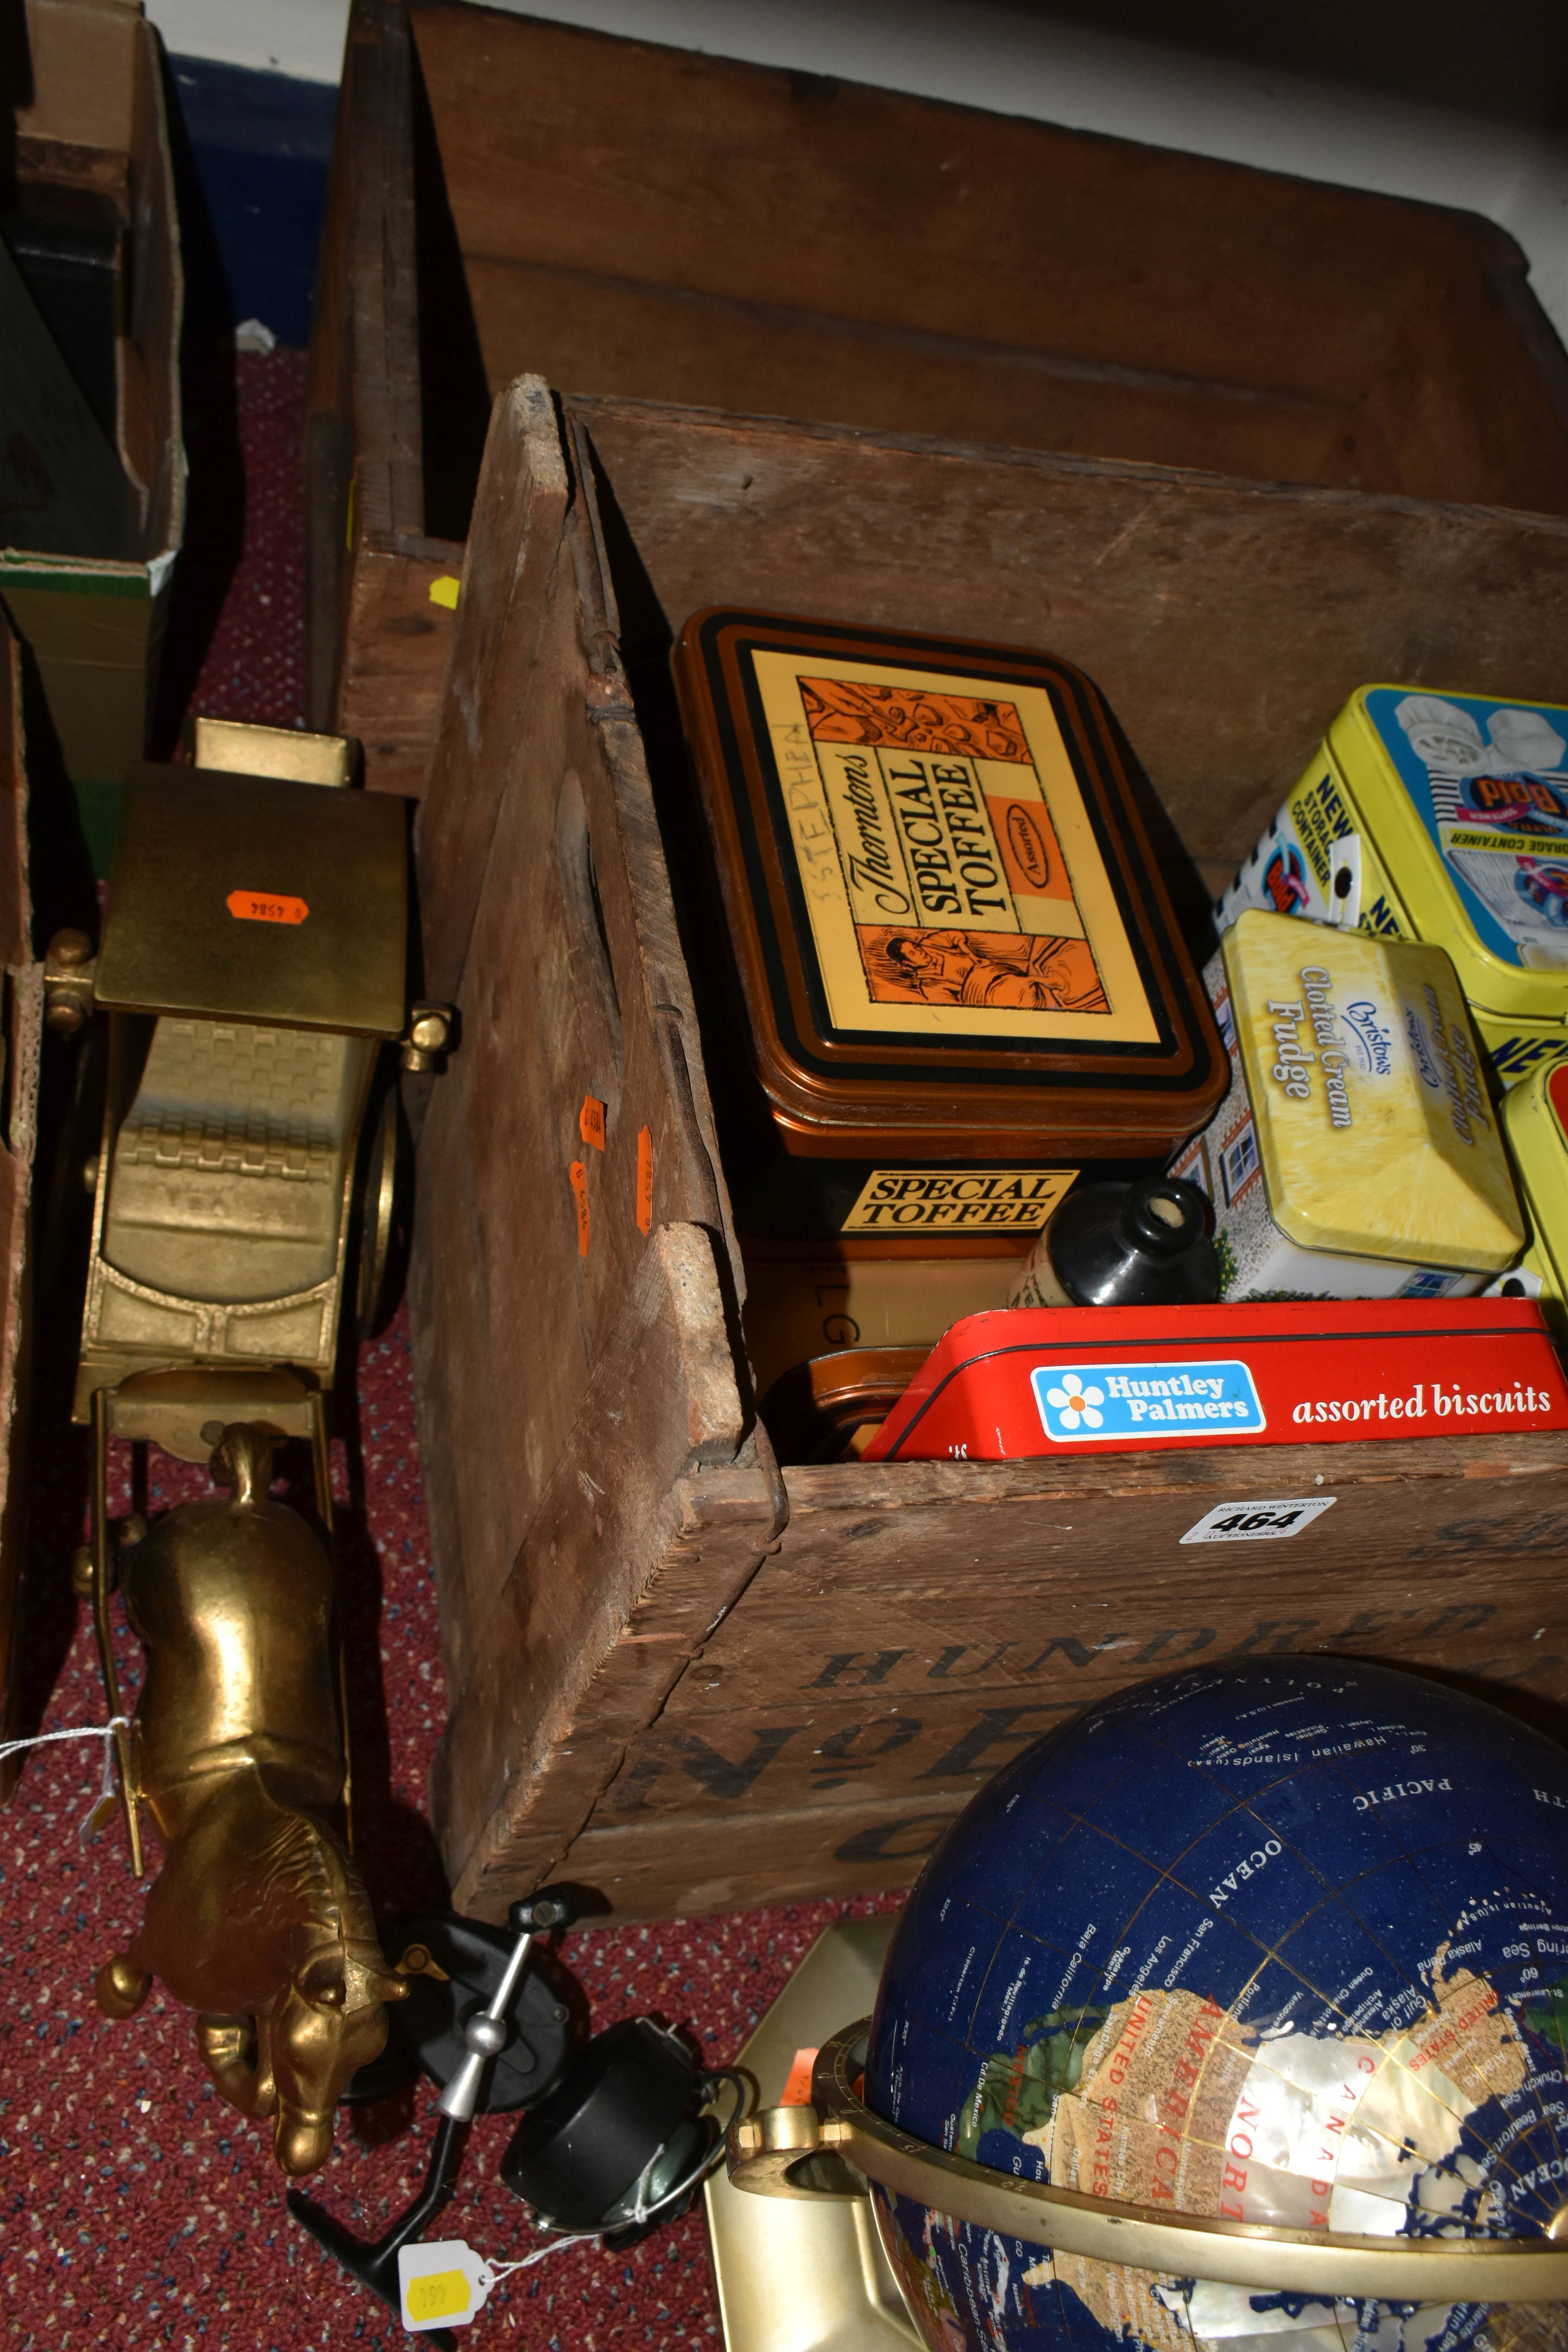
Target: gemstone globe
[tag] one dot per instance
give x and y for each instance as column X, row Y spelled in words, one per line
column 1282, row 1943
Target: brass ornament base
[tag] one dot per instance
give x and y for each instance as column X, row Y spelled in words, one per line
column 257, row 1919
column 807, row 2273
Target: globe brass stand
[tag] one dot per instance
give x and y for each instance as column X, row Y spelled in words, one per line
column 832, row 2146
column 807, row 2274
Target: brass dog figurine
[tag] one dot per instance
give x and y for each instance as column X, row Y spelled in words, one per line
column 258, row 1918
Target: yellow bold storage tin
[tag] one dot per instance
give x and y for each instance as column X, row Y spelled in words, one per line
column 1356, row 1155
column 1535, row 1123
column 1441, row 818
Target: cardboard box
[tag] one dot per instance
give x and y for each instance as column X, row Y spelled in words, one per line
column 93, row 144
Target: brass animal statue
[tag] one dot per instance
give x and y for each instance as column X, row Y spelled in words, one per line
column 257, row 1919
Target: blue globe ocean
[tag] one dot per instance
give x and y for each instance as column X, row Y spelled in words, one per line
column 1283, row 1943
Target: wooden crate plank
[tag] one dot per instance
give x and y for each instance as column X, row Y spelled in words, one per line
column 383, row 293
column 463, row 1428
column 378, row 647
column 572, row 990
column 394, row 659
column 522, row 499
column 829, row 1729
column 564, row 1664
column 608, row 174
column 1225, row 621
column 523, row 1010
column 966, row 1599
column 558, row 1007
column 663, row 343
column 329, row 436
column 22, row 1043
column 666, row 1869
column 877, row 1654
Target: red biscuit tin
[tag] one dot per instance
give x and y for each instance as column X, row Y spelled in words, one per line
column 1026, row 1382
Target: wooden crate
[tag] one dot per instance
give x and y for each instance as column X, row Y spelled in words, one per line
column 678, row 1674
column 623, row 219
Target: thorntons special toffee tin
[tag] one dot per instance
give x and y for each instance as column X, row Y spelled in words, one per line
column 960, row 973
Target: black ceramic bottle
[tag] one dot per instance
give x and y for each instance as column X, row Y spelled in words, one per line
column 1117, row 1244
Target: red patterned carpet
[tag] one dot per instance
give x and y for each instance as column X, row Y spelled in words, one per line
column 136, row 2209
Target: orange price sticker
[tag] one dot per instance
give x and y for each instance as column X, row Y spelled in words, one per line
column 591, row 1122
column 797, row 2090
column 258, row 906
column 579, row 1176
column 645, row 1180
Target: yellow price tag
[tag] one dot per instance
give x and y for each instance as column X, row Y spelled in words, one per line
column 442, row 2282
column 440, row 2294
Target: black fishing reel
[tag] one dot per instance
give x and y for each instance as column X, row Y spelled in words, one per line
column 453, row 1968
column 620, row 2144
column 616, row 2140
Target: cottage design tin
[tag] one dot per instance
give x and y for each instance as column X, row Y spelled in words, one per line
column 1440, row 817
column 1356, row 1155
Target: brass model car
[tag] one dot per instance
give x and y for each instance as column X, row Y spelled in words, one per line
column 253, row 962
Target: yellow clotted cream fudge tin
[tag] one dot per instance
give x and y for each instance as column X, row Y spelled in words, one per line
column 1357, row 1154
column 1441, row 818
column 1535, row 1123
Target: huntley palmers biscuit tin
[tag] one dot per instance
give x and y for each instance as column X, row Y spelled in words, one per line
column 1441, row 818
column 1357, row 1154
column 960, row 971
column 1122, row 1380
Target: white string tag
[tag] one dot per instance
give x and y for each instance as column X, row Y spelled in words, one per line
column 108, row 1796
column 106, row 1804
column 444, row 2284
column 441, row 2284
